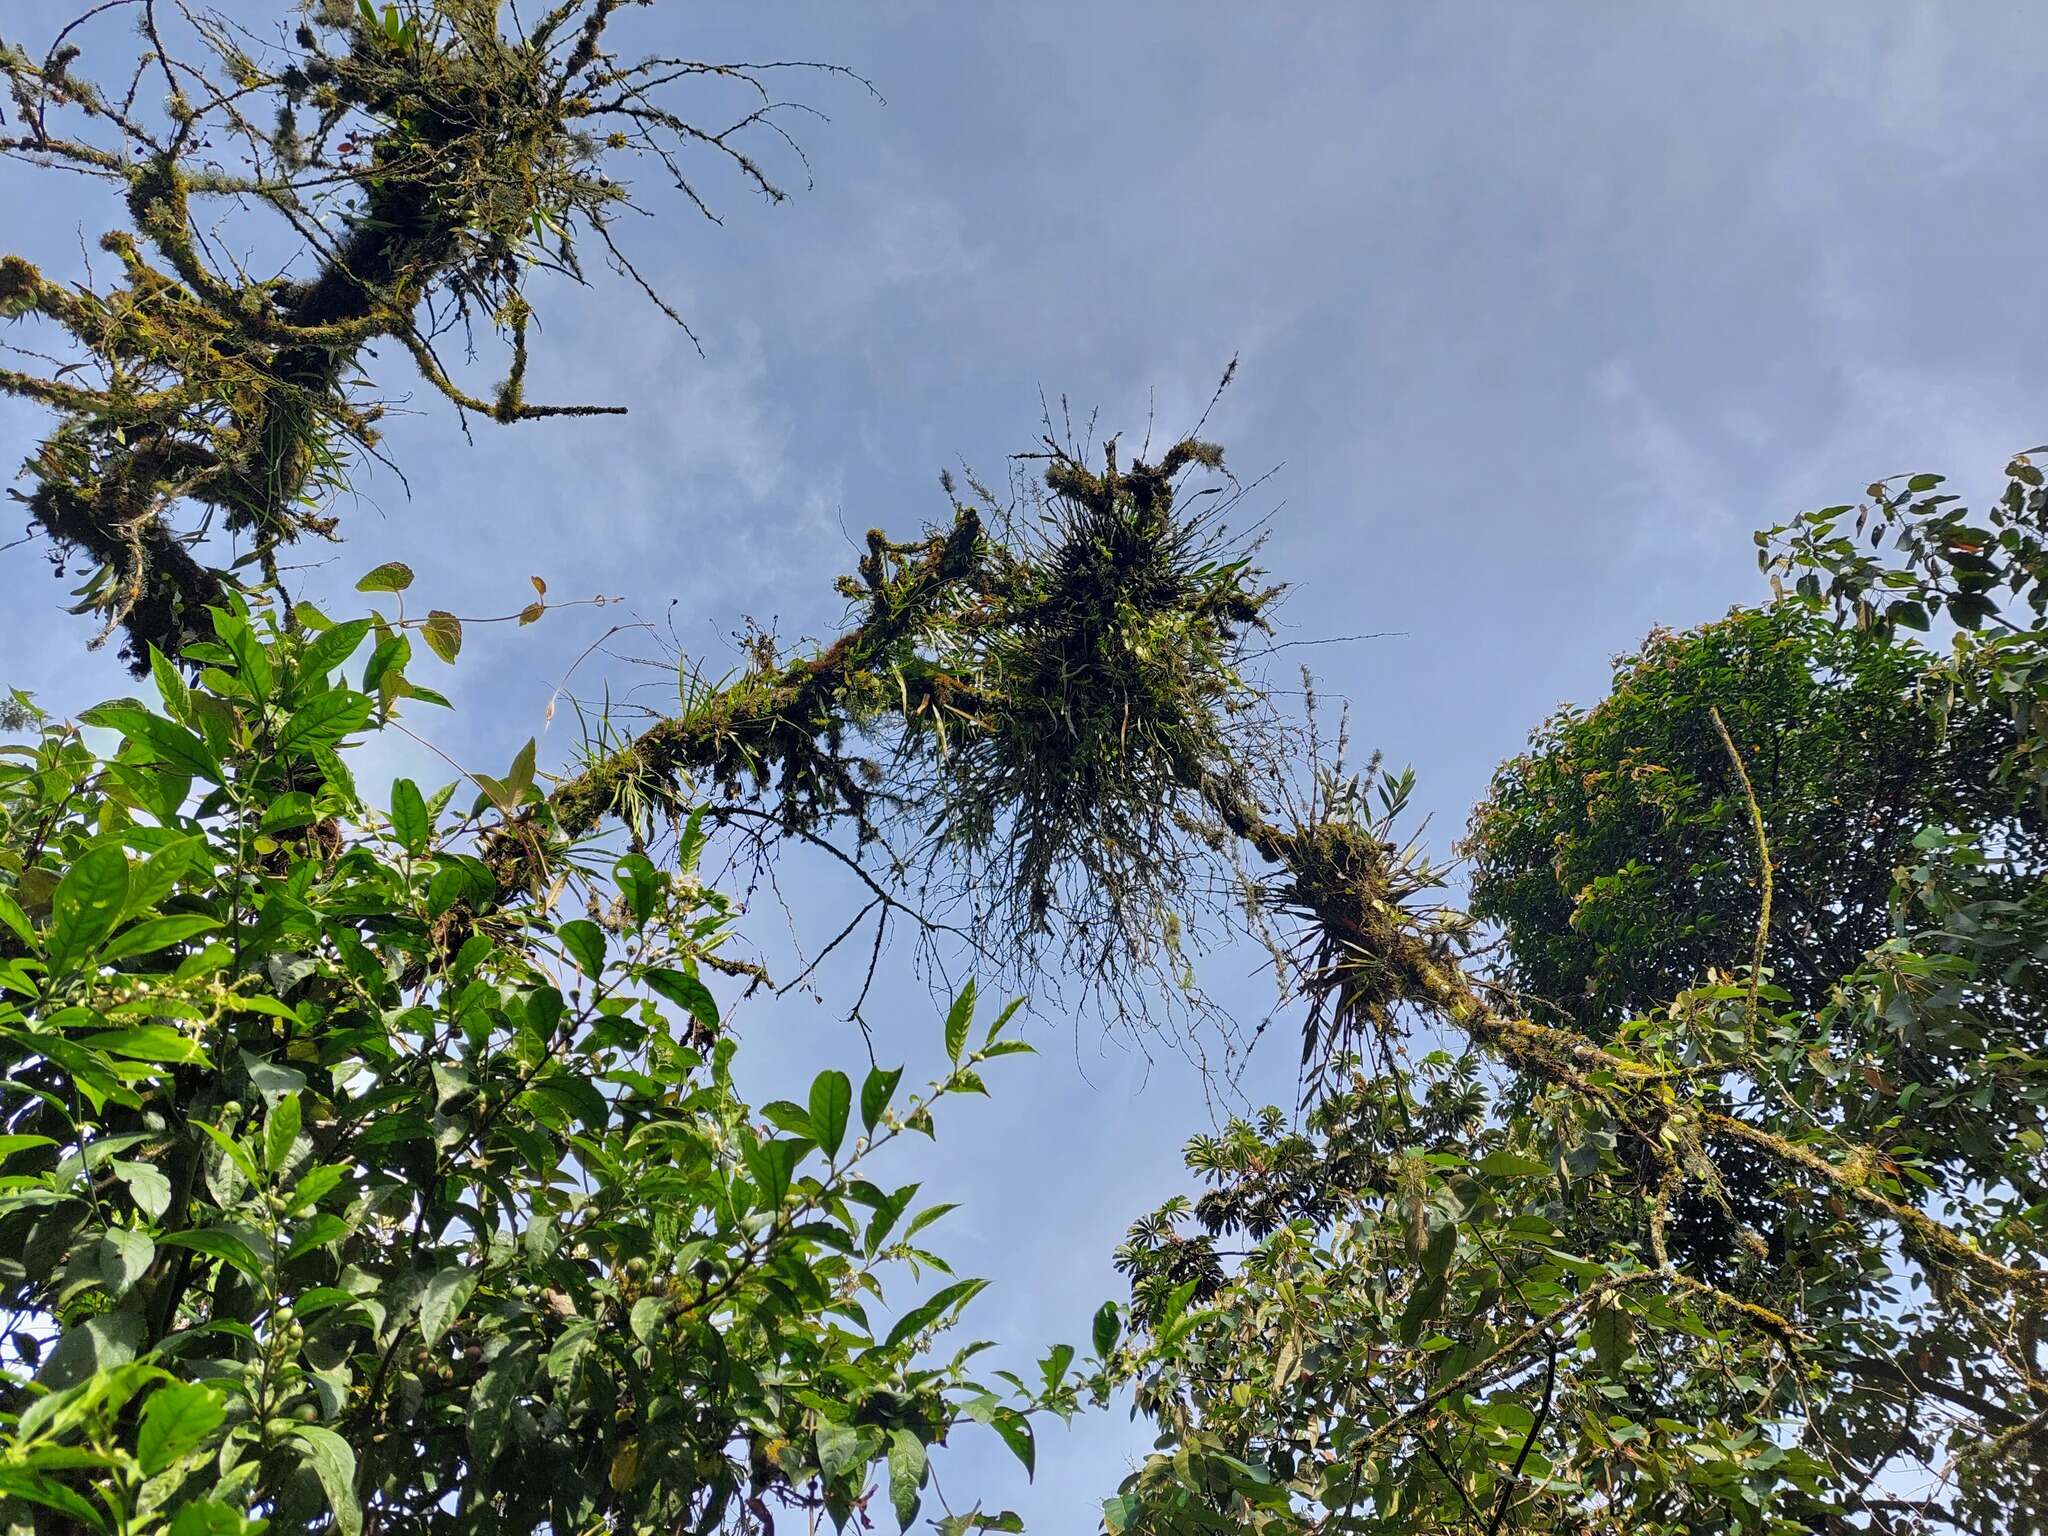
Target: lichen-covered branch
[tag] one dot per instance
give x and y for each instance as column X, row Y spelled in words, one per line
column 429, row 160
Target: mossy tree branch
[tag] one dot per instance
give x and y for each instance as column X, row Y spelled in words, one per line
column 431, row 163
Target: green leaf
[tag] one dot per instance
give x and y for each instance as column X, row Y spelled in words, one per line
column 391, row 576
column 958, row 1018
column 1108, row 1325
column 1442, row 1246
column 409, row 819
column 843, row 1448
column 97, row 1345
column 921, row 1317
column 157, row 876
column 169, row 742
column 293, row 808
column 205, row 1517
column 160, row 1043
column 687, row 993
column 793, row 1118
column 585, row 942
column 1512, row 1165
column 772, row 1163
column 1611, row 1344
column 86, row 905
column 646, row 1317
column 176, row 696
column 21, row 1483
column 153, row 934
column 906, row 1474
column 16, row 919
column 175, row 1422
column 442, row 1300
column 147, row 1187
column 639, row 881
column 335, row 1465
column 874, row 1095
column 125, row 1257
column 387, row 660
column 319, row 1232
column 331, row 649
column 443, row 634
column 1016, row 1432
column 323, row 720
column 831, row 1102
column 1424, row 1303
column 218, row 1243
column 926, row 1217
column 281, row 1132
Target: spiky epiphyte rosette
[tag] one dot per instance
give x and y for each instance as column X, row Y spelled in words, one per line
column 1108, row 693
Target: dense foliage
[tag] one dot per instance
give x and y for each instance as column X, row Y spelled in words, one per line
column 1754, row 1240
column 1618, row 851
column 329, row 1199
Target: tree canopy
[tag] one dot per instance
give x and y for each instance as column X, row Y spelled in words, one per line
column 372, row 1161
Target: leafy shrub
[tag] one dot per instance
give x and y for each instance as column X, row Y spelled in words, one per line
column 339, row 1193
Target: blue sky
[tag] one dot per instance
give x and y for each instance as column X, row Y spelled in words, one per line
column 1541, row 309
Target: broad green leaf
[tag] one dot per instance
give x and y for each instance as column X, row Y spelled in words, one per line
column 86, row 905
column 687, row 993
column 161, row 1043
column 158, row 875
column 386, row 661
column 793, row 1118
column 844, row 1448
column 1016, row 1432
column 831, row 1102
column 443, row 634
column 1611, row 1342
column 335, row 1465
column 1108, row 1325
column 96, row 1345
column 125, row 1257
column 1442, row 1246
column 147, row 1187
column 176, row 696
column 646, row 1317
column 391, row 576
column 409, row 820
column 281, row 1132
column 21, row 1483
column 772, row 1163
column 218, row 1243
column 206, row 1517
column 874, row 1095
column 323, row 720
column 585, row 942
column 17, row 920
column 170, row 743
column 1512, row 1165
column 314, row 1186
column 155, row 933
column 442, row 1300
column 639, row 882
column 921, row 1317
column 293, row 808
column 331, row 648
column 175, row 1421
column 906, row 1474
